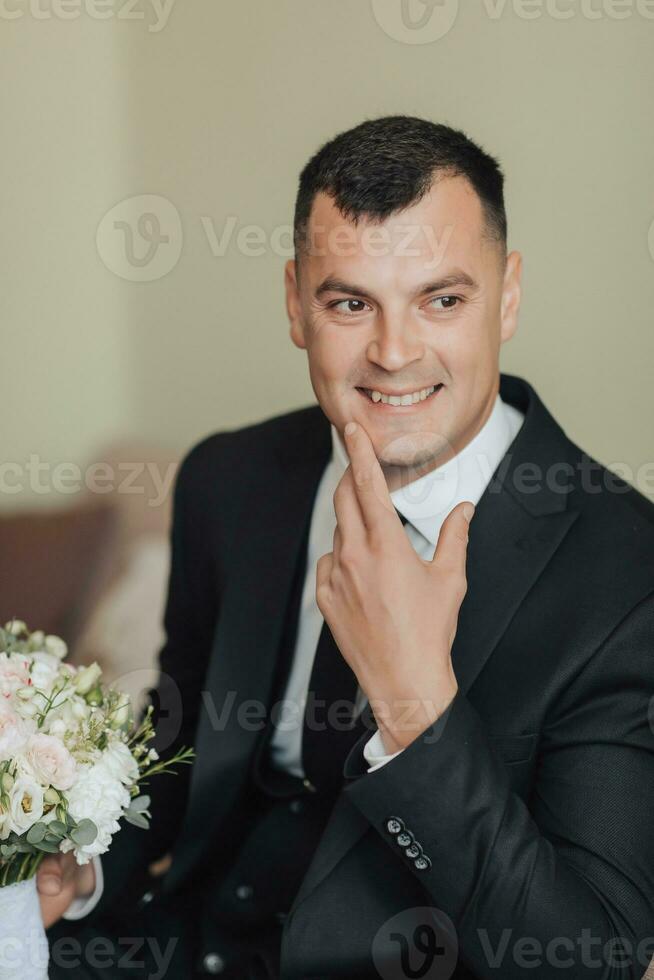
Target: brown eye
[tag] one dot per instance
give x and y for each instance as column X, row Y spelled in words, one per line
column 349, row 306
column 449, row 302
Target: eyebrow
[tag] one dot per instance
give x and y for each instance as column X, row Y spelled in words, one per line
column 457, row 278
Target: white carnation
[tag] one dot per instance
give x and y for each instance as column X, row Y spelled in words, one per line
column 45, row 671
column 98, row 796
column 120, row 763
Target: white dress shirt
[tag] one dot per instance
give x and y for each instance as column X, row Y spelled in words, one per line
column 425, row 503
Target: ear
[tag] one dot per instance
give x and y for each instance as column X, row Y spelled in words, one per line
column 511, row 293
column 293, row 306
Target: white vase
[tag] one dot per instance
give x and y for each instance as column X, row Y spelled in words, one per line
column 23, row 943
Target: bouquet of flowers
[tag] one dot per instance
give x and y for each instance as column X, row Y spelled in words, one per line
column 72, row 761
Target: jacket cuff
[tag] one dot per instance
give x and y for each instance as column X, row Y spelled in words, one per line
column 439, row 803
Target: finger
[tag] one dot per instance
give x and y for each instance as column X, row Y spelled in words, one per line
column 323, row 573
column 452, row 545
column 69, row 867
column 49, row 877
column 369, row 481
column 337, row 543
column 346, row 507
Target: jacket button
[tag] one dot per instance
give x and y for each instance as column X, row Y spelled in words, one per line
column 413, row 850
column 296, row 806
column 244, row 892
column 394, row 825
column 422, row 863
column 213, row 963
column 404, row 838
column 146, row 898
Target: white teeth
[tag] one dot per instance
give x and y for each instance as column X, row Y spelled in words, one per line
column 409, row 399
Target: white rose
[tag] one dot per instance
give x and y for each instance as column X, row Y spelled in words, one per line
column 49, row 761
column 120, row 763
column 25, row 804
column 13, row 734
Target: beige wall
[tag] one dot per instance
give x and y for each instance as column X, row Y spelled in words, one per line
column 216, row 112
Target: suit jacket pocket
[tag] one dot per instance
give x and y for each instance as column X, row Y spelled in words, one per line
column 514, row 749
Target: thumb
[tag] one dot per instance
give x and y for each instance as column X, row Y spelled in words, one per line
column 452, row 544
column 49, row 877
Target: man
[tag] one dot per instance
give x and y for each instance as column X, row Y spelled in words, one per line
column 454, row 774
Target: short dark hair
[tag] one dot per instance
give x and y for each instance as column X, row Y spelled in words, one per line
column 385, row 165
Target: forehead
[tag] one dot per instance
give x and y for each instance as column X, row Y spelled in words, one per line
column 445, row 228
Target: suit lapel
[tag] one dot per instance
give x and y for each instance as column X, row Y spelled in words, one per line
column 248, row 632
column 513, row 536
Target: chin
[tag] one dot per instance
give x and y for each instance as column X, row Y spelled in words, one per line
column 414, row 449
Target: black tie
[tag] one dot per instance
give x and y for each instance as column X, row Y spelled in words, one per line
column 328, row 731
column 329, row 728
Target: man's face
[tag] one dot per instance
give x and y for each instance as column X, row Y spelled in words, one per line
column 417, row 305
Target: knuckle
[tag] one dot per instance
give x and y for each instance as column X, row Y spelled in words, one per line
column 347, row 557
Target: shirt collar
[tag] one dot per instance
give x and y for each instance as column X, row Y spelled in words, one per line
column 426, row 501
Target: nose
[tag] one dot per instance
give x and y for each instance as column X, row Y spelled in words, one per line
column 394, row 345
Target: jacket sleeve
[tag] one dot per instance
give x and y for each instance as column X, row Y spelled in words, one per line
column 562, row 886
column 189, row 621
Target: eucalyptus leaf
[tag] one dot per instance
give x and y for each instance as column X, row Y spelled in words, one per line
column 137, row 819
column 84, row 833
column 46, row 845
column 36, row 833
column 57, row 827
column 140, row 803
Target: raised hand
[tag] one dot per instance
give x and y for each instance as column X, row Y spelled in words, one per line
column 393, row 615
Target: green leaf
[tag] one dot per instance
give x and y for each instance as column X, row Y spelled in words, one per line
column 140, row 803
column 84, row 833
column 46, row 845
column 57, row 828
column 7, row 850
column 137, row 819
column 36, row 833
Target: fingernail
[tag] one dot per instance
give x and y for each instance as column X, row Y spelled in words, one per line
column 350, row 428
column 468, row 511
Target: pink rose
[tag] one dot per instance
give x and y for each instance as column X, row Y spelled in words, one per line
column 50, row 762
column 13, row 734
column 14, row 673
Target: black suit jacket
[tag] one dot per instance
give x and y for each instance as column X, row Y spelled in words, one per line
column 532, row 798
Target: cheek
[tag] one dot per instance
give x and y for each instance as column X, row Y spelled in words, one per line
column 332, row 356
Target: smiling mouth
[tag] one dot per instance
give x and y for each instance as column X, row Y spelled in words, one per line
column 408, row 400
